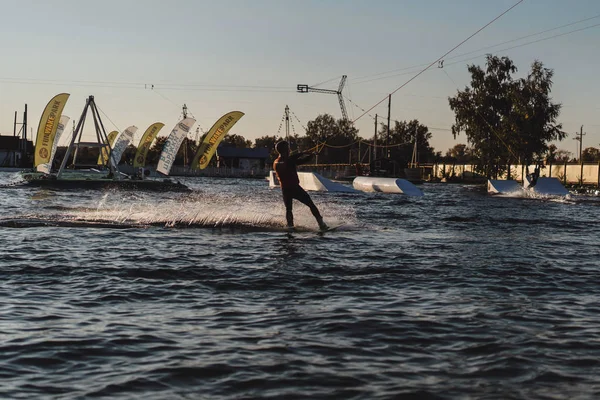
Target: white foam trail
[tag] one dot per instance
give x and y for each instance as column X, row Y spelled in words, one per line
column 209, row 210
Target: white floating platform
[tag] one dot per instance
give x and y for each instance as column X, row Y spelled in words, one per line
column 386, row 185
column 546, row 186
column 497, row 186
column 313, row 182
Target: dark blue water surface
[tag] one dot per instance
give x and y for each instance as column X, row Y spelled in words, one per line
column 456, row 294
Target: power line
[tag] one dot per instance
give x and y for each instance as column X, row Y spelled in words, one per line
column 111, row 121
column 144, row 86
column 470, row 52
column 483, row 54
column 398, row 119
column 285, row 89
column 164, row 97
column 526, row 37
column 528, row 43
column 441, row 58
column 337, row 78
column 297, row 119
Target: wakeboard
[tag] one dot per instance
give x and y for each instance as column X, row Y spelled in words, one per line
column 332, row 227
column 304, row 229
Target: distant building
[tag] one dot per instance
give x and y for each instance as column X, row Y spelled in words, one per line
column 16, row 152
column 245, row 159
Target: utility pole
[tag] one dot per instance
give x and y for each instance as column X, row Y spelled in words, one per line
column 375, row 141
column 13, row 153
column 25, row 124
column 287, row 124
column 580, row 140
column 24, row 138
column 414, row 159
column 22, row 146
column 581, row 143
column 185, row 144
column 387, row 138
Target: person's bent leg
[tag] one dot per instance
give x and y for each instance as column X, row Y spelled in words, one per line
column 303, row 197
column 288, row 198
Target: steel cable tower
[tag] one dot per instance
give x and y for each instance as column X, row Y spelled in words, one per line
column 305, row 89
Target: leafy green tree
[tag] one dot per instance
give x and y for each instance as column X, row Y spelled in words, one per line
column 534, row 115
column 590, row 154
column 506, row 120
column 234, row 140
column 482, row 111
column 551, row 153
column 460, row 153
column 563, row 156
column 155, row 150
column 402, row 140
column 300, row 143
column 268, row 142
column 186, row 152
column 337, row 138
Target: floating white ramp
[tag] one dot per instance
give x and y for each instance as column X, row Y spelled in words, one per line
column 498, row 186
column 313, row 182
column 546, row 186
column 386, row 185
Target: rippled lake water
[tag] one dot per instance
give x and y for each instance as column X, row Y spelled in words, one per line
column 456, row 294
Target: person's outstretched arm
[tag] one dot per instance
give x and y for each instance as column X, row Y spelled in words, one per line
column 302, row 157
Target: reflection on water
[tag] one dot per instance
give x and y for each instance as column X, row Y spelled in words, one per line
column 204, row 295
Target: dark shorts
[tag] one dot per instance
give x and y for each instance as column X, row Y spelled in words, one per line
column 295, row 192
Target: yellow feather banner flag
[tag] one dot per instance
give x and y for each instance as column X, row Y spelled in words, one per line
column 103, row 157
column 47, row 128
column 145, row 143
column 215, row 135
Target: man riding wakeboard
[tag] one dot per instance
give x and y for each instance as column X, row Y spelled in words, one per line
column 285, row 168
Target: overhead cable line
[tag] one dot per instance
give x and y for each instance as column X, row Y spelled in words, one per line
column 528, row 43
column 441, row 58
column 354, row 80
column 526, row 37
column 280, row 124
column 397, row 119
column 145, row 86
column 227, row 89
column 259, row 88
column 337, row 78
column 164, row 97
column 111, row 121
column 297, row 119
column 483, row 54
column 359, row 107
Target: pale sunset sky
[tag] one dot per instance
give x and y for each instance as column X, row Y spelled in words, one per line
column 219, row 56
